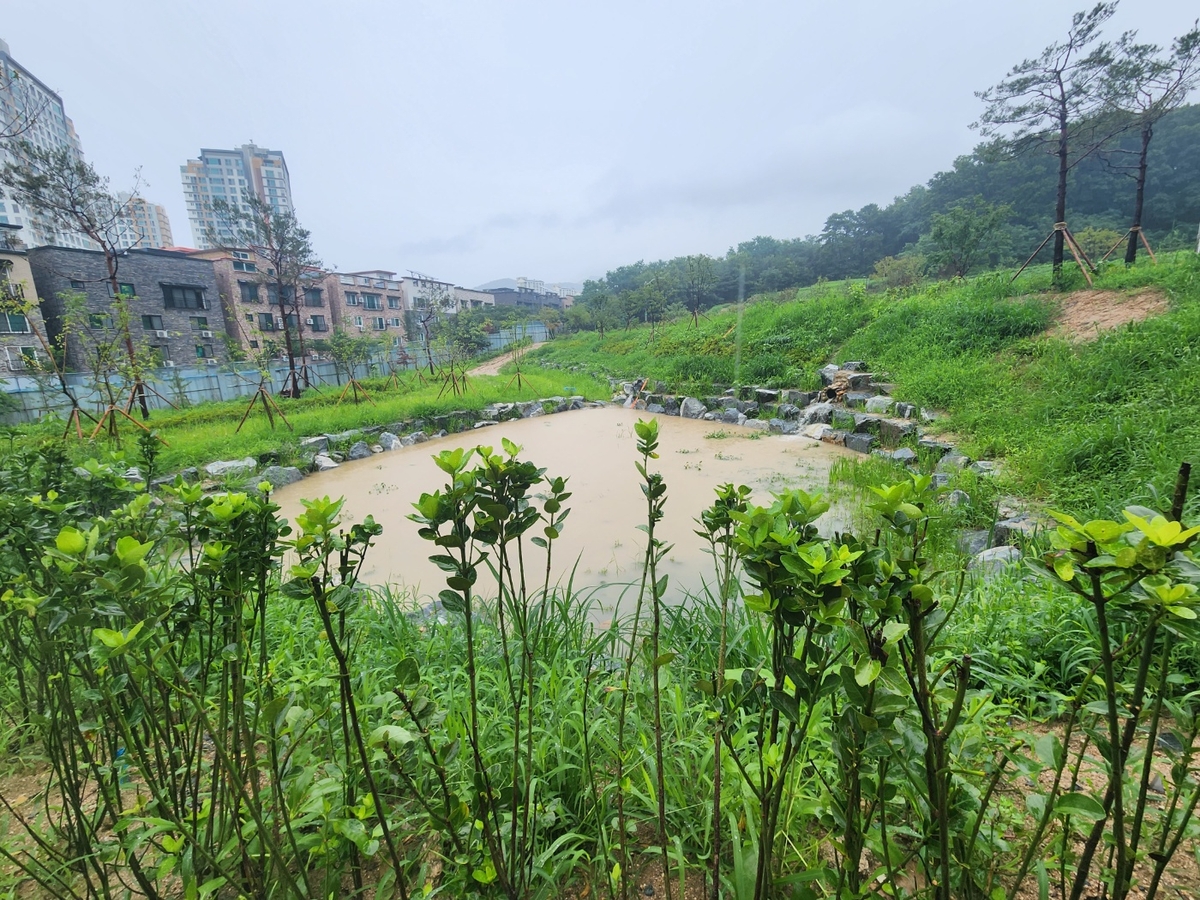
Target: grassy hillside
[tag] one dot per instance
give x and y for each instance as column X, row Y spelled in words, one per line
column 1090, row 424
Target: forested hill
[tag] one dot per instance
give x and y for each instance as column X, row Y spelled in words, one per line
column 1100, row 198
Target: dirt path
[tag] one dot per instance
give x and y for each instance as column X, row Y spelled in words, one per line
column 492, row 366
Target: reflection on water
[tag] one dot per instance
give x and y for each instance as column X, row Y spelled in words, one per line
column 595, row 449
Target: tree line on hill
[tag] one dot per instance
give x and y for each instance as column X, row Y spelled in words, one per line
column 1091, row 105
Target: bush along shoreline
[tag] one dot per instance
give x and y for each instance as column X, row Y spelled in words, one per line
column 200, row 717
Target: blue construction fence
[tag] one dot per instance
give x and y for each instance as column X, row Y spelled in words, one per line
column 34, row 397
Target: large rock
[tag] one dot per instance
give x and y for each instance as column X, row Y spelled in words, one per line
column 893, row 432
column 360, row 450
column 865, row 423
column 758, row 424
column 318, row 444
column 278, row 476
column 959, row 498
column 342, row 436
column 389, row 441
column 857, row 398
column 860, row 443
column 904, row 456
column 527, row 409
column 940, row 447
column 1018, row 529
column 783, row 426
column 731, row 416
column 691, row 408
column 230, row 467
column 765, row 395
column 879, row 404
column 789, row 411
column 417, row 437
column 828, row 373
column 816, row 431
column 973, row 541
column 983, row 467
column 953, row 462
column 323, row 463
column 989, row 562
column 656, row 409
column 816, row 413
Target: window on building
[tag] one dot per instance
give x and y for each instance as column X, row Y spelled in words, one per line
column 99, row 321
column 204, row 351
column 123, row 289
column 77, row 285
column 254, row 345
column 312, row 297
column 182, row 296
column 358, row 321
column 248, row 291
column 159, row 355
column 249, row 317
column 378, row 323
column 317, row 323
column 371, row 301
column 198, row 322
column 395, row 322
column 152, row 323
column 291, row 321
column 13, row 323
column 240, row 254
column 394, row 303
column 273, row 294
column 266, row 322
column 239, row 266
column 351, row 298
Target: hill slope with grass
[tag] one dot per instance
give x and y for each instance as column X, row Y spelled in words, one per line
column 1082, row 415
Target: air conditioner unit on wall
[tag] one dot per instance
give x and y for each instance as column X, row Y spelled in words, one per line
column 308, row 321
column 206, row 334
column 162, row 334
column 210, row 362
column 167, row 364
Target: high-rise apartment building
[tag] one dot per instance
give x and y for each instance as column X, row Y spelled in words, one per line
column 232, row 176
column 145, row 225
column 35, row 113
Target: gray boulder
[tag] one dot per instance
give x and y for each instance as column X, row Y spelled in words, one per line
column 893, row 432
column 731, row 416
column 231, row 467
column 417, row 437
column 758, row 424
column 857, row 398
column 789, row 411
column 816, row 413
column 938, row 446
column 783, row 426
column 389, row 441
column 360, row 450
column 996, row 559
column 939, row 479
column 828, row 373
column 323, row 463
column 879, row 404
column 860, row 443
column 973, row 541
column 318, row 444
column 1018, row 528
column 904, row 455
column 278, row 476
column 816, row 431
column 953, row 462
column 691, row 408
column 484, row 423
column 865, row 422
column 656, row 409
column 958, row 498
column 983, row 467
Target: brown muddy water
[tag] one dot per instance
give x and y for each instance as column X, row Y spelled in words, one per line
column 595, row 449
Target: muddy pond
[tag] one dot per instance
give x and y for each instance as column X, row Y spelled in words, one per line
column 596, row 450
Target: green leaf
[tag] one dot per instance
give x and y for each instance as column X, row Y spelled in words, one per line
column 393, row 735
column 867, row 671
column 787, row 705
column 893, row 631
column 1081, row 806
column 109, row 638
column 1063, row 568
column 663, row 660
column 71, row 541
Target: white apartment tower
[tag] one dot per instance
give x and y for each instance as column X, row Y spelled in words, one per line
column 34, row 111
column 145, row 225
column 232, row 176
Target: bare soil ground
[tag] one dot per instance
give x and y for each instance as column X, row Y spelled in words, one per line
column 492, row 366
column 1086, row 313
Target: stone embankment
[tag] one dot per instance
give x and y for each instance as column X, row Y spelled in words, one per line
column 855, row 411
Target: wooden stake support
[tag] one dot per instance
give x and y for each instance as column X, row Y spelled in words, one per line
column 75, row 419
column 1141, row 234
column 1072, row 245
column 139, row 385
column 269, row 406
column 353, row 385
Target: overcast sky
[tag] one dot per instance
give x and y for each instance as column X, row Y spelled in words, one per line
column 478, row 140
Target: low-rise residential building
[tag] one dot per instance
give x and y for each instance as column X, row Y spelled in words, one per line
column 250, row 302
column 173, row 301
column 371, row 302
column 468, row 298
column 20, row 315
column 527, row 298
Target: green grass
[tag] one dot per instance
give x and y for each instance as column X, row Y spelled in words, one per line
column 1089, row 426
column 201, row 434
